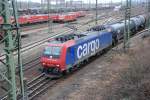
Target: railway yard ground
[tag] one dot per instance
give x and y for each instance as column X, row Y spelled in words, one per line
column 113, row 76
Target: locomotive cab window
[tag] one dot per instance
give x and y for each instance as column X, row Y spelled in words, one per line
column 52, row 52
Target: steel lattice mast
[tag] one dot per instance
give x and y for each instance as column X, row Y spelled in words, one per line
column 96, row 5
column 11, row 43
column 127, row 24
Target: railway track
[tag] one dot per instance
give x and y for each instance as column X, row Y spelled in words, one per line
column 31, row 64
column 43, row 40
column 36, row 26
column 40, row 42
column 31, row 46
column 35, row 86
column 41, row 83
column 84, row 23
column 35, row 83
column 54, row 25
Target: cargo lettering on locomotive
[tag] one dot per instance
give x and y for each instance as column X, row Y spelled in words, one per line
column 87, row 48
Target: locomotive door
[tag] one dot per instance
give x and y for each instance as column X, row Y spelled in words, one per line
column 70, row 57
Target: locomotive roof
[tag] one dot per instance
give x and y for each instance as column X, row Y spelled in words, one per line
column 97, row 28
column 61, row 39
column 71, row 41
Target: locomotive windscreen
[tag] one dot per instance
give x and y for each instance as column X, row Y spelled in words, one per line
column 52, row 52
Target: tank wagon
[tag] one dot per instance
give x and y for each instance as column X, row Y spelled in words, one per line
column 136, row 24
column 68, row 51
column 139, row 21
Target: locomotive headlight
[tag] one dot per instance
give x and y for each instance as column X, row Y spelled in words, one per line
column 43, row 63
column 57, row 65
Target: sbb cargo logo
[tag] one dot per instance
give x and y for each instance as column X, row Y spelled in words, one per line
column 87, row 48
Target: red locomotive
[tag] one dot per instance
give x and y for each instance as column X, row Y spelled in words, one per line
column 31, row 19
column 23, row 20
column 82, row 13
column 63, row 18
column 69, row 51
column 78, row 13
column 38, row 18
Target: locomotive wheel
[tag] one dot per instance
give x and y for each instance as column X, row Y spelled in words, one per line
column 70, row 70
column 44, row 70
column 133, row 31
column 64, row 73
column 55, row 71
column 114, row 41
column 78, row 65
column 47, row 70
column 98, row 54
column 87, row 61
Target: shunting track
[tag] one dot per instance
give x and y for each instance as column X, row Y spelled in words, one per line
column 38, row 85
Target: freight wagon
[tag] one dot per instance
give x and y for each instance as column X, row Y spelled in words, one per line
column 136, row 24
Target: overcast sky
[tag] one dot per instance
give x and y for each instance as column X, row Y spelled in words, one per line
column 86, row 1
